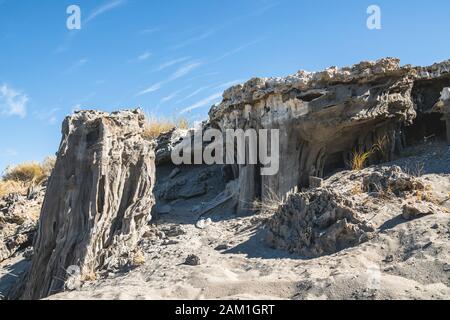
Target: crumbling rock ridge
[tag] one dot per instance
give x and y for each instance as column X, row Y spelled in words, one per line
column 98, row 201
column 328, row 219
column 324, row 117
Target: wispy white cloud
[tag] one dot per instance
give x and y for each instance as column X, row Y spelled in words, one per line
column 204, row 75
column 193, row 94
column 179, row 73
column 142, row 57
column 152, row 88
column 194, row 39
column 171, row 63
column 77, row 65
column 173, row 95
column 237, row 50
column 204, row 102
column 184, row 70
column 263, row 9
column 104, row 8
column 49, row 116
column 229, row 84
column 80, row 103
column 12, row 102
column 150, row 30
column 11, row 152
column 169, row 97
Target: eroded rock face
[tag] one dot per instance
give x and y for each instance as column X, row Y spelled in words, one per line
column 166, row 143
column 317, row 223
column 325, row 116
column 98, row 200
column 341, row 214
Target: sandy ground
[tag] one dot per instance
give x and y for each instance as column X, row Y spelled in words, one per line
column 406, row 260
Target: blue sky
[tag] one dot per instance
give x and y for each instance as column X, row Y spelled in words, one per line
column 174, row 58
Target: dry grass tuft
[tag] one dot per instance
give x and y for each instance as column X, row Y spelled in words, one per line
column 270, row 205
column 380, row 146
column 25, row 172
column 359, row 159
column 17, row 179
column 8, row 187
column 155, row 127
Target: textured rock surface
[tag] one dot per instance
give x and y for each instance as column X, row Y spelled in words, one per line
column 317, row 223
column 166, row 142
column 98, row 200
column 326, row 220
column 324, row 116
column 18, row 218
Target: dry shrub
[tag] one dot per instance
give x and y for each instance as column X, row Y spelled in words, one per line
column 417, row 170
column 8, row 187
column 17, row 179
column 25, row 172
column 155, row 127
column 271, row 203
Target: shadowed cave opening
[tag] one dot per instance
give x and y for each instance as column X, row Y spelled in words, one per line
column 426, row 127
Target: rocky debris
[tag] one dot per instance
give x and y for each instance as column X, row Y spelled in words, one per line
column 165, row 144
column 222, row 247
column 414, row 210
column 323, row 117
column 174, row 231
column 182, row 189
column 97, row 202
column 192, row 260
column 18, row 219
column 348, row 210
column 391, row 180
column 316, row 223
column 315, row 182
column 203, row 223
column 153, row 233
column 228, row 198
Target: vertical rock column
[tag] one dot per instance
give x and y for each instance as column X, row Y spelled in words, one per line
column 98, row 200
